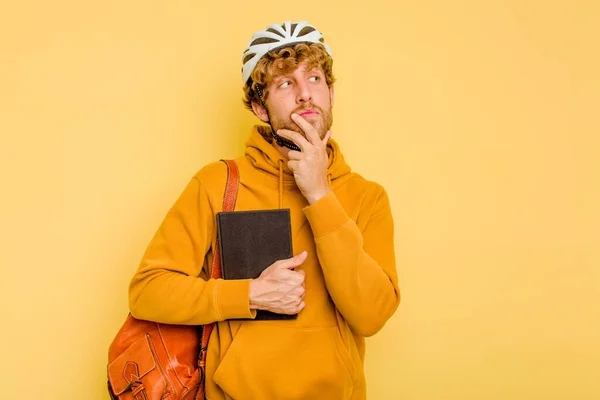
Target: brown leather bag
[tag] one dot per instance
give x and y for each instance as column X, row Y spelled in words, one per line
column 151, row 361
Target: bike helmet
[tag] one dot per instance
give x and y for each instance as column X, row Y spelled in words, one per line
column 275, row 36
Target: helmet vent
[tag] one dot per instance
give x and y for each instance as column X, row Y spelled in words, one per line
column 248, row 58
column 306, row 30
column 263, row 40
column 275, row 32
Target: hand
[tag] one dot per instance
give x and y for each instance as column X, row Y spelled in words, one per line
column 279, row 289
column 310, row 165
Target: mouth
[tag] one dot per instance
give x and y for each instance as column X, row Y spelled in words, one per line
column 308, row 113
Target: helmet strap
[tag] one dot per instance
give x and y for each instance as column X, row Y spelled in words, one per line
column 280, row 141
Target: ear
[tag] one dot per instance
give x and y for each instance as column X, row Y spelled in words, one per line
column 331, row 92
column 260, row 112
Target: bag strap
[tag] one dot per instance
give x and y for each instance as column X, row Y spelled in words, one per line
column 229, row 199
column 233, row 182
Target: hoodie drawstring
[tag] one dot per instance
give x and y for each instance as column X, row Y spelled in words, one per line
column 280, row 183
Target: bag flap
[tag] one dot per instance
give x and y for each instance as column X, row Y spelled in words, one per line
column 135, row 362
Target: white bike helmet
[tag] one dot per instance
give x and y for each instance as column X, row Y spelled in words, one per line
column 277, row 36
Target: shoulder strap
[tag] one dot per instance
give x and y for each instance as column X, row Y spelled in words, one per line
column 233, row 182
column 229, row 199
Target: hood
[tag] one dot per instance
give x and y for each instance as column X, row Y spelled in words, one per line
column 263, row 156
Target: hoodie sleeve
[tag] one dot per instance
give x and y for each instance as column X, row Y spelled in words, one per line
column 359, row 267
column 168, row 286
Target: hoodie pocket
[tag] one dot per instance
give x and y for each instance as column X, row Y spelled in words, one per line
column 267, row 361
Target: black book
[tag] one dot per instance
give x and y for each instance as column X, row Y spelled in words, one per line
column 250, row 241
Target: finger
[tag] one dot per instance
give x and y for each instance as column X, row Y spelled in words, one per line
column 297, row 291
column 302, row 292
column 295, row 297
column 295, row 155
column 298, row 278
column 294, row 137
column 293, row 262
column 293, row 165
column 311, row 132
column 326, row 138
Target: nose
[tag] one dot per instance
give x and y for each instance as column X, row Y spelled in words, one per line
column 304, row 94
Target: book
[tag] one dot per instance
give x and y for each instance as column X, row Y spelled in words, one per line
column 250, row 241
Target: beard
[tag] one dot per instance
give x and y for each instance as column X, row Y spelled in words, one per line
column 322, row 122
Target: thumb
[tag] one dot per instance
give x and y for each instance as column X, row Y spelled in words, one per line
column 326, row 138
column 295, row 261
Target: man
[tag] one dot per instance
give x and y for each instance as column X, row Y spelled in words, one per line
column 342, row 281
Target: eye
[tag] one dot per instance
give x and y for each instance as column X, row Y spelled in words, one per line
column 285, row 84
column 314, row 78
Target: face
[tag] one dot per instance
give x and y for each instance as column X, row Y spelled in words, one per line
column 303, row 92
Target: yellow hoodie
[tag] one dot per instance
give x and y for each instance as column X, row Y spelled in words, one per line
column 351, row 281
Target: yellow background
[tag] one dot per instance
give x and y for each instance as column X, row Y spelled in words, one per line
column 480, row 118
